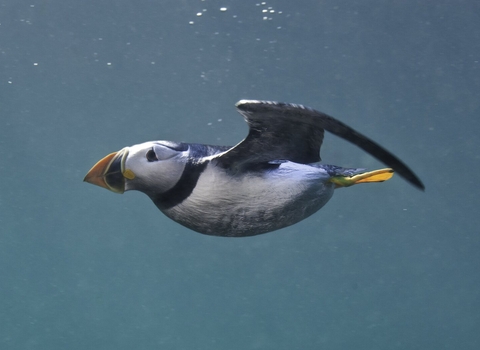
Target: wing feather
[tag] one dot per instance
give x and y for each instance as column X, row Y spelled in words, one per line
column 281, row 131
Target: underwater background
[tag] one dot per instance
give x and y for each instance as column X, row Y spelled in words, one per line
column 381, row 266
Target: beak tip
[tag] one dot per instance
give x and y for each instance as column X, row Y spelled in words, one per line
column 87, row 178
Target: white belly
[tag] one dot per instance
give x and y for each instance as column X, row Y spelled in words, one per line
column 253, row 203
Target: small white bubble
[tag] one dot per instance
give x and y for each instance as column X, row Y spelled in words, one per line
column 35, row 64
column 209, row 123
column 223, row 9
column 219, row 120
column 109, row 63
column 264, row 11
column 191, row 22
column 265, row 18
column 10, row 82
column 199, row 14
column 153, row 62
column 272, row 11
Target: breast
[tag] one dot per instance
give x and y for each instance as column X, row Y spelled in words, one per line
column 253, row 203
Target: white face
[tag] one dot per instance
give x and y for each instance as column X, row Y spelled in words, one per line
column 157, row 166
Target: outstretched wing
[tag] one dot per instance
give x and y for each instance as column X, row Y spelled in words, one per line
column 280, row 131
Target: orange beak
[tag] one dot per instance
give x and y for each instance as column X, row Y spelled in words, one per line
column 108, row 172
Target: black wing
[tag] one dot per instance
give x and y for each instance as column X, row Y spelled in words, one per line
column 280, row 131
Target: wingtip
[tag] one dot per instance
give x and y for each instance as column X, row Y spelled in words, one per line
column 413, row 180
column 420, row 186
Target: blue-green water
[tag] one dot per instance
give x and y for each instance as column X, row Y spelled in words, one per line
column 382, row 266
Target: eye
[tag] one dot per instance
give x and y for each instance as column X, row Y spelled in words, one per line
column 151, row 156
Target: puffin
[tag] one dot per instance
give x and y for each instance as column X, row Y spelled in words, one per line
column 270, row 180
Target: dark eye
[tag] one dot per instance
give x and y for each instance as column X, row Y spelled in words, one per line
column 151, row 156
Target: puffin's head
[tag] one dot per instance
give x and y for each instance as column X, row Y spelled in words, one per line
column 150, row 167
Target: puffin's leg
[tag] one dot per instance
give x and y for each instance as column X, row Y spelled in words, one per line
column 370, row 176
